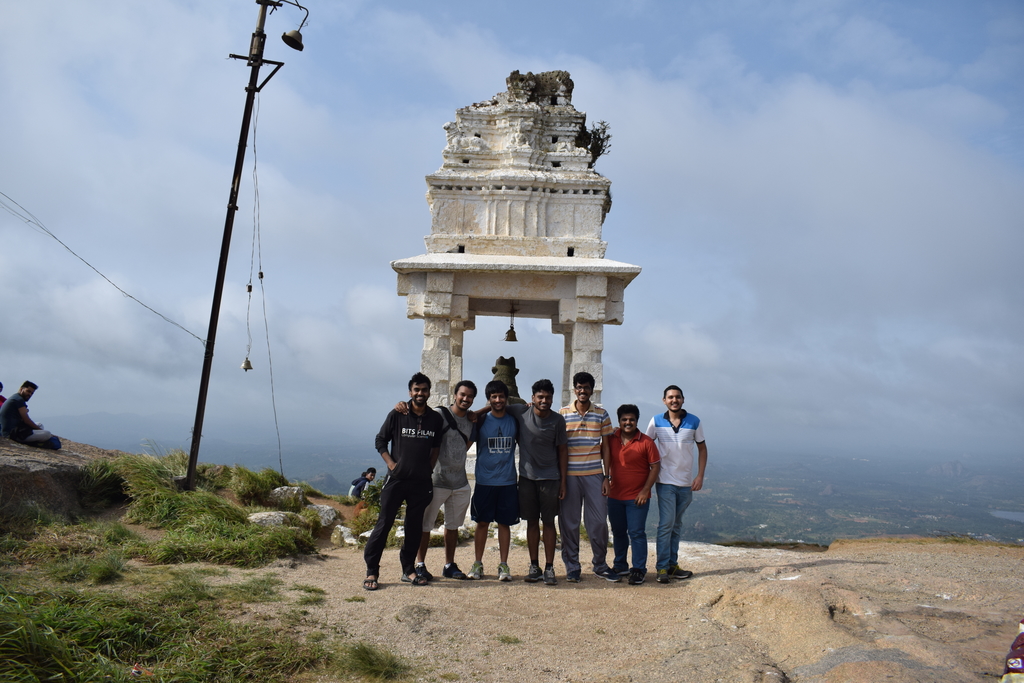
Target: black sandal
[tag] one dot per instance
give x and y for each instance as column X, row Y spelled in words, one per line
column 416, row 580
column 370, row 584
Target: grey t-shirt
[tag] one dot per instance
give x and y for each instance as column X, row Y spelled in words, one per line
column 539, row 439
column 450, row 471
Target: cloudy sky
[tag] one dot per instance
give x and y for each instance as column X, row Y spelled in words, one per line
column 827, row 200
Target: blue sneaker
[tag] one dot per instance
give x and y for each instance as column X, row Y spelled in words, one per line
column 609, row 575
column 573, row 576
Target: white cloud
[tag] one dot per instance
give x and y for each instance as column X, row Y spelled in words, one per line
column 826, row 207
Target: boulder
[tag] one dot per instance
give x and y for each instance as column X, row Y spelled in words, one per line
column 288, row 496
column 327, row 514
column 275, row 518
column 342, row 536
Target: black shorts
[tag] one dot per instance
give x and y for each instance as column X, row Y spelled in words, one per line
column 538, row 499
column 495, row 504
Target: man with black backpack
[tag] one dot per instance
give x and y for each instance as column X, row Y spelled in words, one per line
column 451, row 486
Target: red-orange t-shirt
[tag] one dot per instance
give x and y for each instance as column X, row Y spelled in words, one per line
column 631, row 464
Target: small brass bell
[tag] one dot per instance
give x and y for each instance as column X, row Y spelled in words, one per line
column 246, row 365
column 510, row 336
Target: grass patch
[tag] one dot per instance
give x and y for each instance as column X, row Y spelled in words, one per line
column 363, row 522
column 356, row 598
column 308, row 490
column 253, row 488
column 107, row 568
column 508, row 640
column 211, row 539
column 313, row 595
column 102, row 485
column 79, row 636
column 68, row 570
column 263, row 588
column 368, row 660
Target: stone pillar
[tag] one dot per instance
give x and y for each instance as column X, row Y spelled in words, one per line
column 436, row 360
column 565, row 329
column 587, row 346
column 455, row 372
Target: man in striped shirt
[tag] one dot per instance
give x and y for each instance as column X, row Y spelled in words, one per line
column 589, row 427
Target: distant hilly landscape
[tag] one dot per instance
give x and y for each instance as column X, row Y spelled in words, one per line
column 753, row 497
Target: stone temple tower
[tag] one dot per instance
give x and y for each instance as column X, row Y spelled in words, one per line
column 516, row 210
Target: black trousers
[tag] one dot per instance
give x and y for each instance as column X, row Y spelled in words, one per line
column 416, row 494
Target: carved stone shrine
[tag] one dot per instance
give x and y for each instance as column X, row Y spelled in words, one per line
column 516, row 215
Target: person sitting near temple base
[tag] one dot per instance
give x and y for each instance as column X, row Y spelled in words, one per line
column 15, row 423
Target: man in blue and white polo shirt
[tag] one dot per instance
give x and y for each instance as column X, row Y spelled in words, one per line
column 675, row 432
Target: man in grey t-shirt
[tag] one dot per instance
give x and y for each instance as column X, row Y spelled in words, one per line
column 543, row 468
column 451, row 486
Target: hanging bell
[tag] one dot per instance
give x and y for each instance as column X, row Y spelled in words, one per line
column 511, row 334
column 246, row 365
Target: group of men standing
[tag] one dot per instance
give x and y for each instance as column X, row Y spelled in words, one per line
column 572, row 465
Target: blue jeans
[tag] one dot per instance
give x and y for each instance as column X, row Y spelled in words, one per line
column 629, row 522
column 672, row 503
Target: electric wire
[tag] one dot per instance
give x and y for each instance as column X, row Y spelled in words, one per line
column 25, row 215
column 256, row 257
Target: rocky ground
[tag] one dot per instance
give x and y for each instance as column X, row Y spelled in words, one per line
column 878, row 610
column 862, row 611
column 44, row 478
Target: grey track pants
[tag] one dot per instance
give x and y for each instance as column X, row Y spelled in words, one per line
column 583, row 495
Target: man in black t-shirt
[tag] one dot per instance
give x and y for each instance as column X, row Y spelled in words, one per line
column 415, row 441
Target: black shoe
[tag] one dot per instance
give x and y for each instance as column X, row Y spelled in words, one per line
column 534, row 575
column 636, row 576
column 549, row 576
column 676, row 573
column 421, row 570
column 452, row 571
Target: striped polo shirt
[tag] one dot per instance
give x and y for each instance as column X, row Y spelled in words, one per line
column 676, row 447
column 585, row 433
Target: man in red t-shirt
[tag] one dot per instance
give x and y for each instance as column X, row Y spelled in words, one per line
column 635, row 463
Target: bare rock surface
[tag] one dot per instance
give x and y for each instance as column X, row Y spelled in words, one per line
column 44, row 478
column 877, row 610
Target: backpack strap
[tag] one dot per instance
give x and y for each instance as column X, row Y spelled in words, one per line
column 453, row 424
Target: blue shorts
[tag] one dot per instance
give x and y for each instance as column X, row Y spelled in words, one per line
column 495, row 504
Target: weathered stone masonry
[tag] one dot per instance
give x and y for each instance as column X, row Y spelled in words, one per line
column 517, row 212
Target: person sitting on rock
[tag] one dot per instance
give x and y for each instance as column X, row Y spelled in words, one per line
column 14, row 420
column 359, row 484
column 2, row 399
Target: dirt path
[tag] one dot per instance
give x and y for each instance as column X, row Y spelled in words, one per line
column 862, row 611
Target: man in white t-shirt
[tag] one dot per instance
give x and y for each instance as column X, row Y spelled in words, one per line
column 675, row 432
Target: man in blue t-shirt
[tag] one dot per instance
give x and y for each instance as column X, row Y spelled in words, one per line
column 496, row 497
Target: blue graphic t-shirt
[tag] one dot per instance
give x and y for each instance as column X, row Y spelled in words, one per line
column 496, row 450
